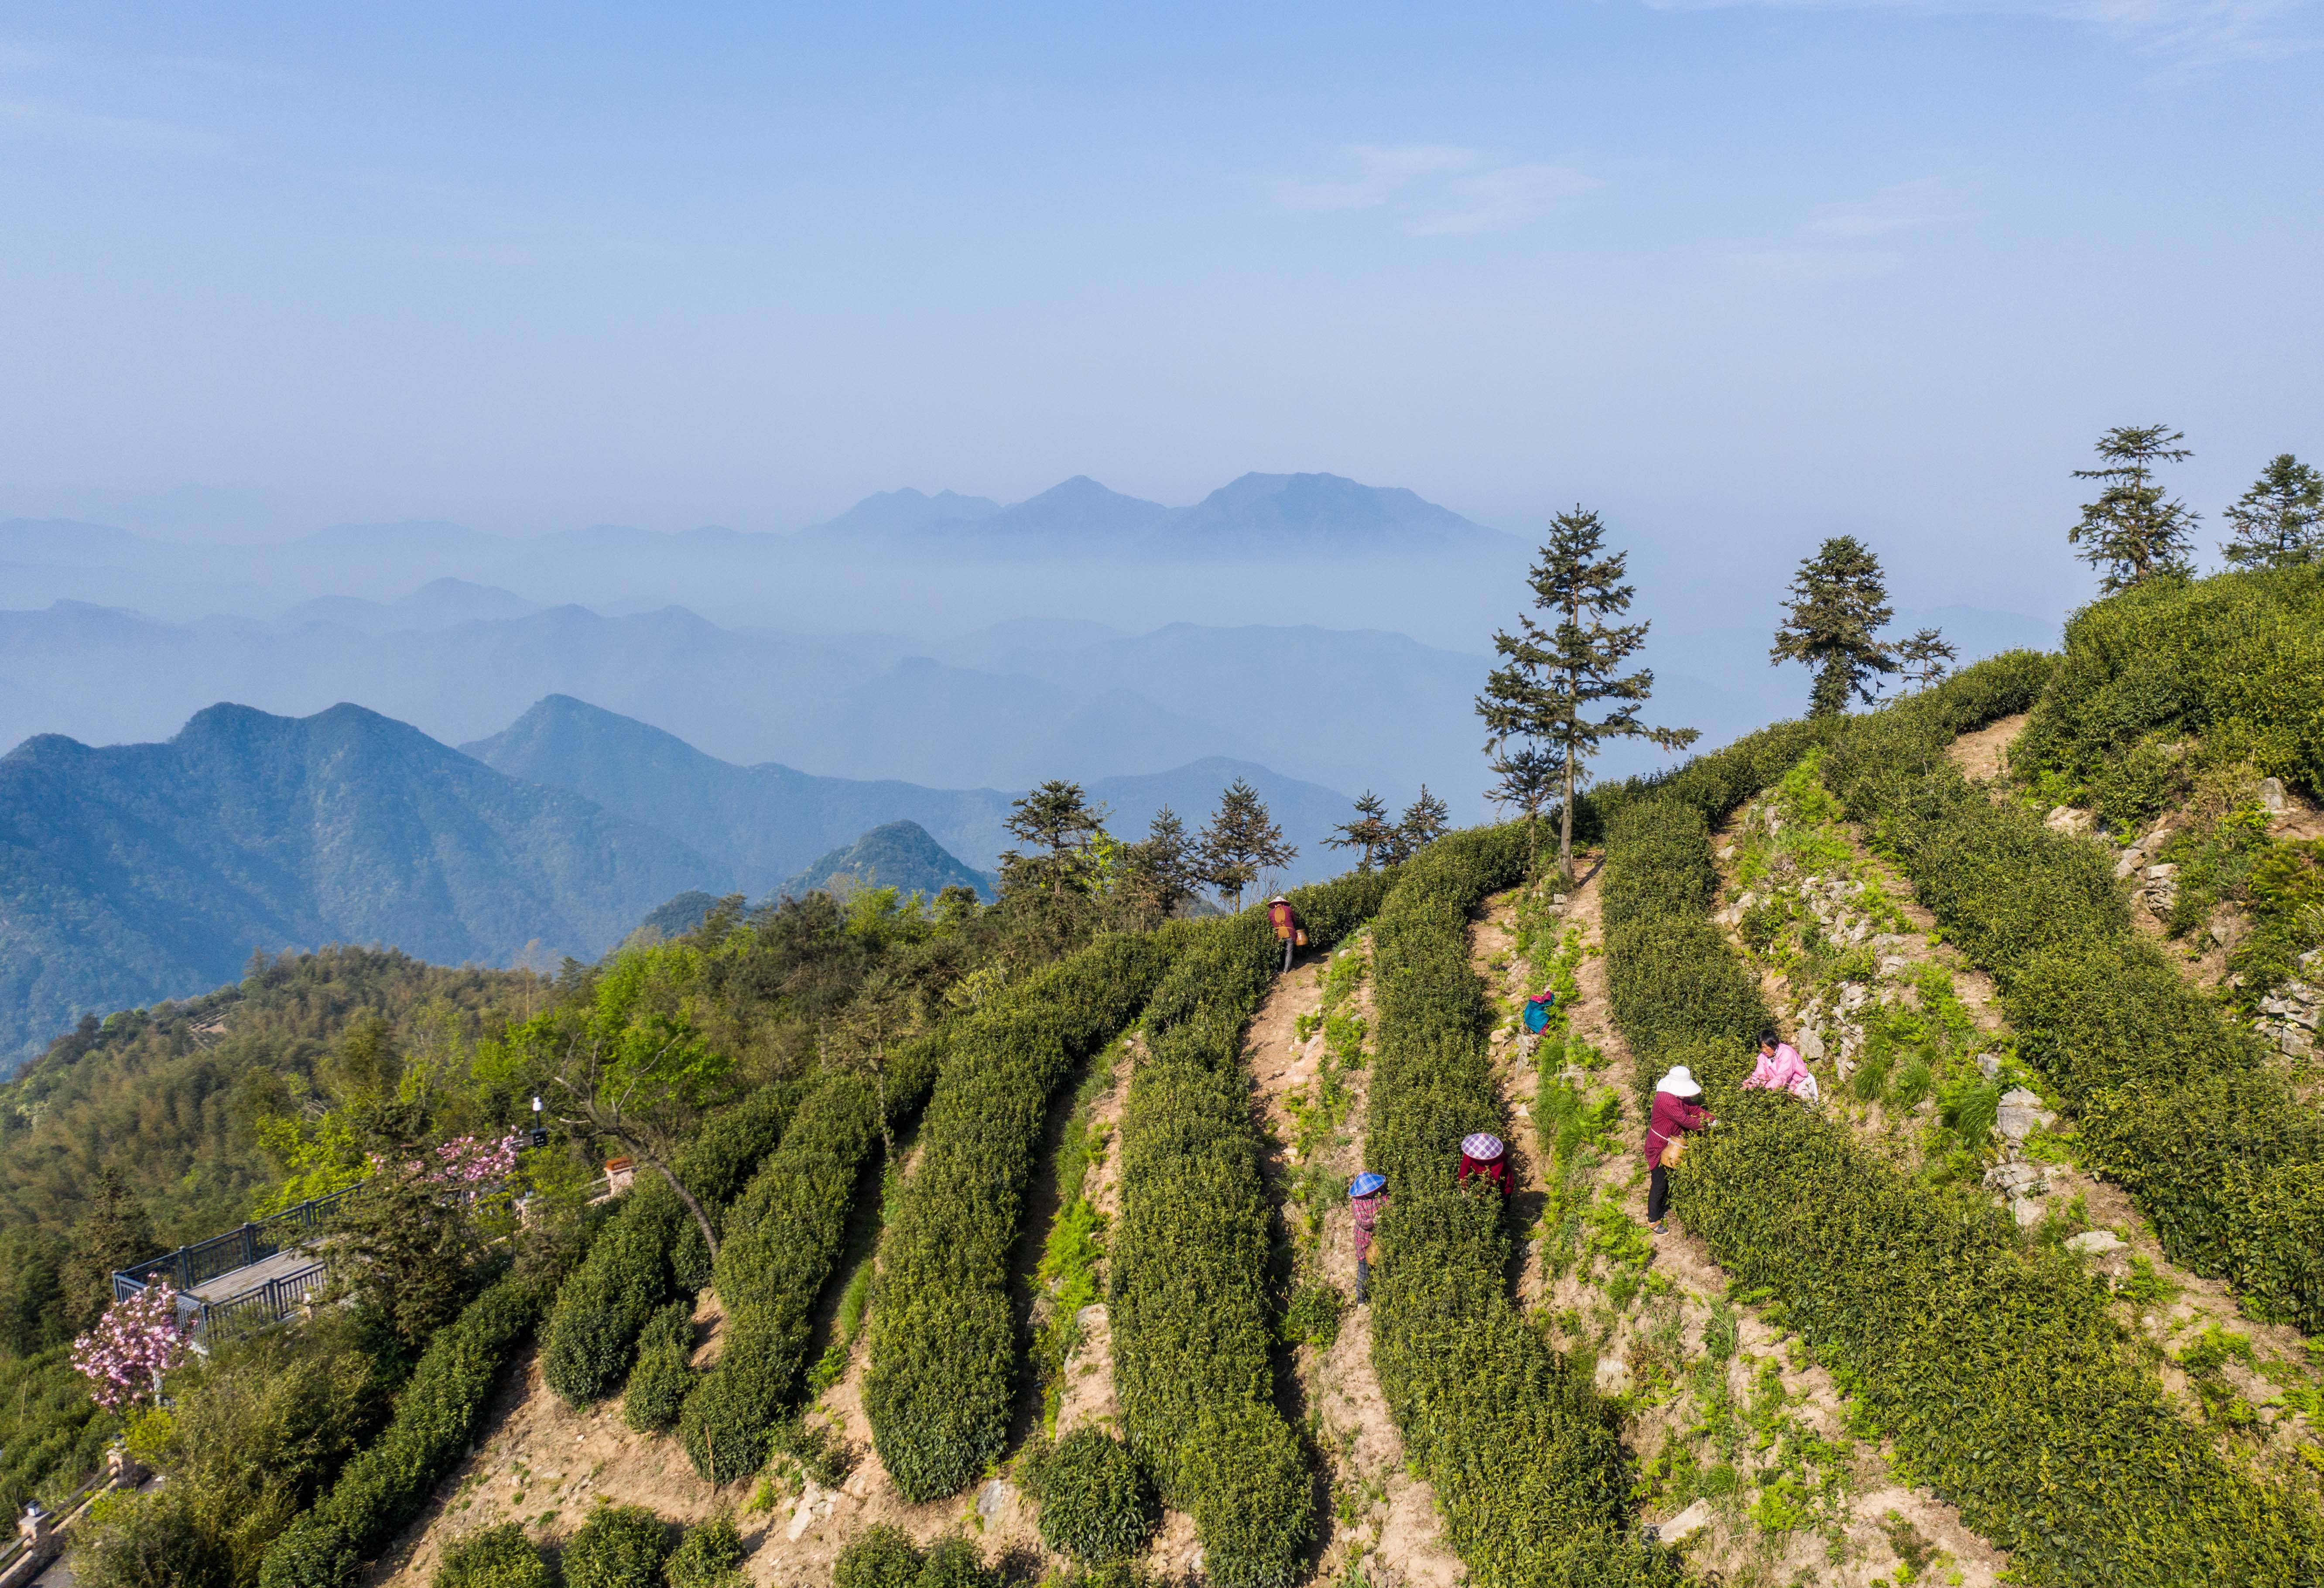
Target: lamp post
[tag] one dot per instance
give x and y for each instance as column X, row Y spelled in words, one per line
column 540, row 1131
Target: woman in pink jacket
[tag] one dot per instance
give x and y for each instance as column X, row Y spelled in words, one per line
column 1782, row 1069
column 1676, row 1112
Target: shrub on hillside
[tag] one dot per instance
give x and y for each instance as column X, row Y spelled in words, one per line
column 2230, row 662
column 493, row 1557
column 435, row 1417
column 619, row 1547
column 710, row 1556
column 783, row 1235
column 656, row 1390
column 2171, row 1101
column 954, row 1563
column 880, row 1556
column 1096, row 1503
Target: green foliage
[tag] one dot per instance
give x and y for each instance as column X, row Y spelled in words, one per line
column 943, row 1339
column 629, row 1274
column 1838, row 605
column 1995, row 1366
column 1189, row 1307
column 2172, row 1102
column 619, row 1547
column 2133, row 533
column 169, row 1098
column 1096, row 1503
column 254, row 1430
column 783, row 1237
column 880, row 1556
column 710, row 1556
column 656, row 1390
column 1526, row 1459
column 493, row 1557
column 2228, row 663
column 954, row 1563
column 52, row 1435
column 435, row 1418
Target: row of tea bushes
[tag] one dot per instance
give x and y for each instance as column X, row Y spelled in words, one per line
column 944, row 1345
column 1995, row 1368
column 1189, row 1304
column 1526, row 1459
column 437, row 1418
column 636, row 1264
column 782, row 1240
column 2172, row 1100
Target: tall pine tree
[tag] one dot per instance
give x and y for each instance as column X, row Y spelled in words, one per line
column 1240, row 842
column 1369, row 834
column 2132, row 532
column 1552, row 680
column 2280, row 520
column 1840, row 603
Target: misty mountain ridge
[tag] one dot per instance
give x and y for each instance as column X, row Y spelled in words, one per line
column 135, row 873
column 769, row 823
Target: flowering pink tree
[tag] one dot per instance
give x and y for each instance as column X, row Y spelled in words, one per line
column 470, row 1165
column 132, row 1345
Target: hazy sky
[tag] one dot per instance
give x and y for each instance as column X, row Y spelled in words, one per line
column 1739, row 275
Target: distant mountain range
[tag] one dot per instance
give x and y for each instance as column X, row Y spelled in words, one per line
column 131, row 874
column 142, row 872
column 1005, row 707
column 769, row 823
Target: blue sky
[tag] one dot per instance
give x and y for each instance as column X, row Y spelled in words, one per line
column 1739, row 275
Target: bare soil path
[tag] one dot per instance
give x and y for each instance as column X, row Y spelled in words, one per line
column 1377, row 1514
column 1695, row 1424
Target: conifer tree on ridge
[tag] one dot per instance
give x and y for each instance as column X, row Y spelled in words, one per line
column 1551, row 678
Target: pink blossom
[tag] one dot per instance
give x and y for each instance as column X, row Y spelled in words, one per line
column 132, row 1345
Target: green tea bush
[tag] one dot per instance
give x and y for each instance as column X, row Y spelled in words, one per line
column 2230, row 662
column 656, row 1392
column 1189, row 1309
column 2171, row 1101
column 783, row 1236
column 619, row 1547
column 954, row 1563
column 1998, row 1369
column 386, row 1484
column 1526, row 1459
column 710, row 1556
column 944, row 1342
column 593, row 1332
column 1096, row 1504
column 880, row 1556
column 493, row 1557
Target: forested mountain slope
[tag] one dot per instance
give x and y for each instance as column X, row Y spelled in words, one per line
column 895, row 855
column 135, row 873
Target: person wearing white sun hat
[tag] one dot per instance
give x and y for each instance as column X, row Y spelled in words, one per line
column 1678, row 1109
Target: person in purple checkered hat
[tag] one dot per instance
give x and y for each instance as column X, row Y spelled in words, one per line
column 1485, row 1156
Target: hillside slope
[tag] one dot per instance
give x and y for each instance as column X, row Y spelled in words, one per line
column 136, row 872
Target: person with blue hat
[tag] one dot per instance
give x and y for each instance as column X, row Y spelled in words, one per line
column 1367, row 1194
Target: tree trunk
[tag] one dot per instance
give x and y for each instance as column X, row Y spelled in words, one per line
column 692, row 1207
column 1565, row 823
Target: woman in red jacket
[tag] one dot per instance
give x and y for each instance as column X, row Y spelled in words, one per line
column 1676, row 1112
column 1483, row 1157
